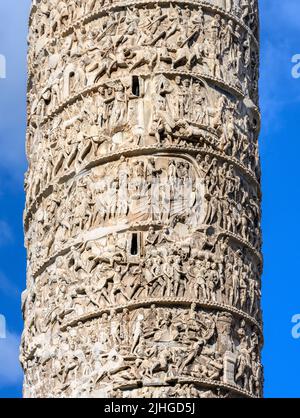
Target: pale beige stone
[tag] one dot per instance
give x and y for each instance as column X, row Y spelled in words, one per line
column 142, row 215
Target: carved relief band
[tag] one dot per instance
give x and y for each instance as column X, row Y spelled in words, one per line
column 142, row 218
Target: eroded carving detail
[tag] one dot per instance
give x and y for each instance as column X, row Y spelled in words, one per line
column 142, row 211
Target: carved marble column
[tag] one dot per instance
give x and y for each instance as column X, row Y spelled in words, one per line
column 142, row 216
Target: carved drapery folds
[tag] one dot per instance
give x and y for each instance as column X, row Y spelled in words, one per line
column 142, row 216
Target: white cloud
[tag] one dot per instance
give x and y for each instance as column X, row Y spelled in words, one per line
column 5, row 233
column 13, row 34
column 7, row 287
column 10, row 369
column 280, row 30
column 289, row 10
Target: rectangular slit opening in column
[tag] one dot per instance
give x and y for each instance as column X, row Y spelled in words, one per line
column 134, row 244
column 135, row 86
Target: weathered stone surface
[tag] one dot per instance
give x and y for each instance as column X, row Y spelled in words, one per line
column 142, row 215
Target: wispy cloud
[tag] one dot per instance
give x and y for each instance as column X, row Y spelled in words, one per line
column 280, row 31
column 10, row 369
column 275, row 11
column 288, row 11
column 7, row 287
column 6, row 235
column 13, row 34
column 276, row 67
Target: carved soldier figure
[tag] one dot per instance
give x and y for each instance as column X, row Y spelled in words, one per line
column 118, row 287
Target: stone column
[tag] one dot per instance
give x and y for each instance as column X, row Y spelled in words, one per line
column 142, row 215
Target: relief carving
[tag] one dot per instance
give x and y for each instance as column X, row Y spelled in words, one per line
column 142, row 219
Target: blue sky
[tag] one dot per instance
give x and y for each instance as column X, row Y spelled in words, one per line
column 280, row 151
